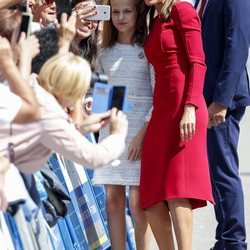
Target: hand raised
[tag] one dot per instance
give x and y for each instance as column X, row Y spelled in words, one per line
column 66, row 30
column 84, row 11
column 28, row 47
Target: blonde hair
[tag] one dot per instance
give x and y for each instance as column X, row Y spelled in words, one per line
column 166, row 8
column 66, row 76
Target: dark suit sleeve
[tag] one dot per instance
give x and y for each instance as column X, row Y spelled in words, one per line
column 188, row 24
column 236, row 21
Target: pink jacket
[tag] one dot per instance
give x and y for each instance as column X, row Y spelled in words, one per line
column 34, row 142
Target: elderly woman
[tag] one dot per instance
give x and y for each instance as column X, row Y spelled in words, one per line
column 62, row 81
column 44, row 11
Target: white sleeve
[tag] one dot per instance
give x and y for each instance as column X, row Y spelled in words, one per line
column 61, row 136
column 10, row 104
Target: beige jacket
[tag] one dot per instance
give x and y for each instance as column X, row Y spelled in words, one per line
column 34, row 142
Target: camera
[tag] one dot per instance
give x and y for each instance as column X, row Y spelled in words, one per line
column 98, row 77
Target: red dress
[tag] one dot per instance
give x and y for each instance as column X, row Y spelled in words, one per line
column 172, row 168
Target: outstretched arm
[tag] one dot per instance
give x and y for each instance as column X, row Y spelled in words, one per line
column 30, row 110
column 62, row 137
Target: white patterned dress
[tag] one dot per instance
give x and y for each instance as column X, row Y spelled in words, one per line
column 127, row 65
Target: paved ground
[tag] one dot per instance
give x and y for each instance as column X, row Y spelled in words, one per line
column 204, row 222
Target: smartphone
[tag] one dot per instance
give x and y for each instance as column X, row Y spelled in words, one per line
column 118, row 97
column 103, row 13
column 107, row 96
column 25, row 24
column 101, row 97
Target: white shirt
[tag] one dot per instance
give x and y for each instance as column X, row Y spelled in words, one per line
column 10, row 104
column 34, row 142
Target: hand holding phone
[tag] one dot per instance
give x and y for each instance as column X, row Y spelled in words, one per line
column 118, row 97
column 94, row 122
column 28, row 49
column 93, row 12
column 102, row 13
column 118, row 124
column 107, row 96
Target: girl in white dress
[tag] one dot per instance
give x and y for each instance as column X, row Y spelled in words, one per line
column 122, row 59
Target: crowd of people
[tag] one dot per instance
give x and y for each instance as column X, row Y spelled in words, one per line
column 184, row 66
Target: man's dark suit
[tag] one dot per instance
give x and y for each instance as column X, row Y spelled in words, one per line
column 225, row 33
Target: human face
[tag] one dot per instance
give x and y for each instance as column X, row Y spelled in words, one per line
column 44, row 11
column 124, row 16
column 84, row 27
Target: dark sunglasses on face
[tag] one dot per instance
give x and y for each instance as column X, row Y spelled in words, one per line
column 48, row 2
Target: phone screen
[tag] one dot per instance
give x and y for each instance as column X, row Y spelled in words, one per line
column 118, row 97
column 25, row 24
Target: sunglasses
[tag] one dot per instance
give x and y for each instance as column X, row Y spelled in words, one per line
column 48, row 2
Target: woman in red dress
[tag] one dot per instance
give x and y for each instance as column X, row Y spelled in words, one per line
column 175, row 174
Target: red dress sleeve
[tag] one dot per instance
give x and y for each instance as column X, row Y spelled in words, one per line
column 188, row 24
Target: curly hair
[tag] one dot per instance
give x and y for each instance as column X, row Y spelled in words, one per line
column 48, row 39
